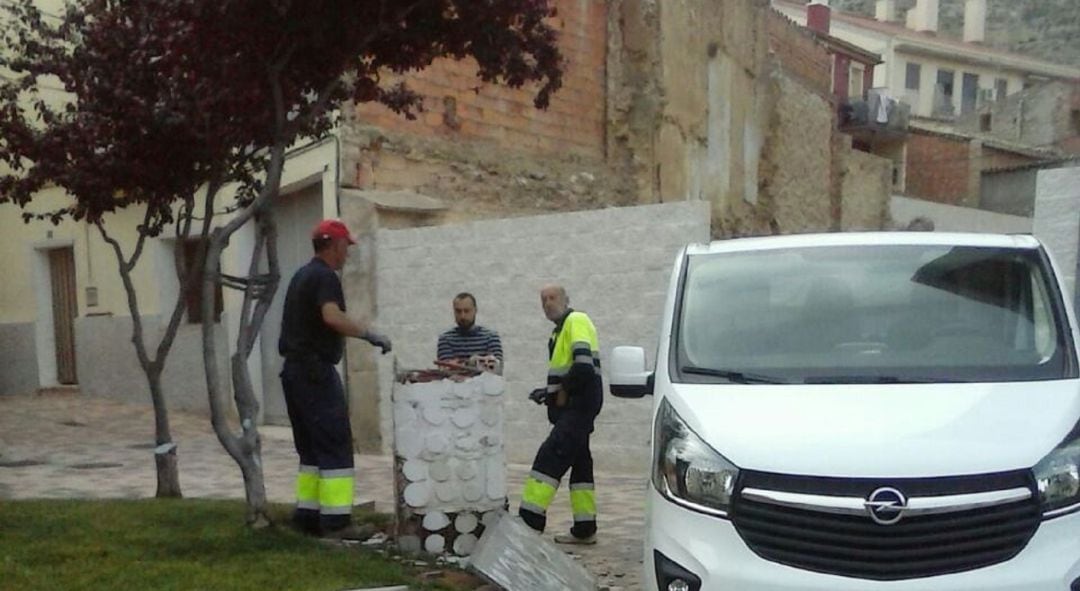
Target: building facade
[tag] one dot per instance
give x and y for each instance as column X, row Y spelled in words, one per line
column 939, row 77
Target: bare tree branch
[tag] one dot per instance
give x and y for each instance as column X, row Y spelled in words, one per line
column 132, row 299
column 249, row 292
column 260, row 288
column 141, row 241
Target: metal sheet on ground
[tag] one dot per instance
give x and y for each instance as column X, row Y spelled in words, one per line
column 515, row 557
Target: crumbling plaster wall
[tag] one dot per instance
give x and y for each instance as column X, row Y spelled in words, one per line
column 478, row 179
column 799, row 160
column 866, row 183
column 715, row 78
column 635, row 92
column 727, row 120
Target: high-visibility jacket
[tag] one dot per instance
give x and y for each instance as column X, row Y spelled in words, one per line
column 574, row 361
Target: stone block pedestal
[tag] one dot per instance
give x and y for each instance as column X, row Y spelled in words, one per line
column 449, row 461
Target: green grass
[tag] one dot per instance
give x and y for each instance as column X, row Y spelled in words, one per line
column 174, row 545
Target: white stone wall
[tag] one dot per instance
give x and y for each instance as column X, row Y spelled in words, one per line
column 951, row 218
column 615, row 264
column 1057, row 218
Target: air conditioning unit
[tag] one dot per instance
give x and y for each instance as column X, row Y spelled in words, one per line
column 987, row 96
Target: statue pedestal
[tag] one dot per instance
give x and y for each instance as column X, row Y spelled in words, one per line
column 449, row 461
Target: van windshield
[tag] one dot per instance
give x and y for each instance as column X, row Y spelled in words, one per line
column 871, row 314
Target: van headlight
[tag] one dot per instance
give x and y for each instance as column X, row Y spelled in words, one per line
column 1058, row 477
column 686, row 470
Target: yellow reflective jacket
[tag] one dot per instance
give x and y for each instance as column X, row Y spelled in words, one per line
column 574, row 357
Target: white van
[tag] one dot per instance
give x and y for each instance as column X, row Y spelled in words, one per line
column 887, row 411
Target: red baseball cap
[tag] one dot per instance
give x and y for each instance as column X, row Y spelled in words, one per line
column 333, row 229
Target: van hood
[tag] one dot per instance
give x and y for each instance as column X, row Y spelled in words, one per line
column 879, row 431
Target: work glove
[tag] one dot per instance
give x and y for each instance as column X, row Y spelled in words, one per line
column 378, row 340
column 539, row 395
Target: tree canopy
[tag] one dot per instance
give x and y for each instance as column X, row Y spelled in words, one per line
column 168, row 95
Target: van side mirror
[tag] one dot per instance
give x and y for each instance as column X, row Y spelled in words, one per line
column 629, row 378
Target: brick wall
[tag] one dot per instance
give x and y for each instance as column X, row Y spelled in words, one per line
column 615, row 264
column 842, row 77
column 948, row 168
column 799, row 53
column 458, row 105
column 938, row 167
column 994, row 158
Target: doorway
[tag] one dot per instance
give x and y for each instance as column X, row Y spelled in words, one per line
column 296, row 214
column 64, row 310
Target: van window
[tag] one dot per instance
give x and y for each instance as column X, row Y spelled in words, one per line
column 873, row 314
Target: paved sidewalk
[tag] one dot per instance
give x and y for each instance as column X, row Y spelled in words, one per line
column 69, row 446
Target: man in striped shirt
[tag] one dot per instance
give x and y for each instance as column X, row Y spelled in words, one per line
column 468, row 341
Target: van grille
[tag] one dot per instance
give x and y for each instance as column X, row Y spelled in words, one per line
column 856, row 546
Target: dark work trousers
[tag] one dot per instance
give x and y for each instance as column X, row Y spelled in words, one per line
column 565, row 449
column 317, row 410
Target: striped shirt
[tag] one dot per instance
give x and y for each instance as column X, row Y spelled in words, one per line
column 458, row 344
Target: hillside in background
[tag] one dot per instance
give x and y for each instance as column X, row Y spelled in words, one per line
column 1046, row 29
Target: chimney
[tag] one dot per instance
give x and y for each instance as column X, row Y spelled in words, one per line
column 924, row 17
column 975, row 21
column 819, row 16
column 885, row 11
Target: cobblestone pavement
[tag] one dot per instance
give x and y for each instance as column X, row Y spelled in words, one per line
column 64, row 445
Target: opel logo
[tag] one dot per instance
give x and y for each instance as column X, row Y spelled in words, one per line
column 886, row 506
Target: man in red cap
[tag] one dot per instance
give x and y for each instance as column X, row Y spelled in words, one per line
column 313, row 327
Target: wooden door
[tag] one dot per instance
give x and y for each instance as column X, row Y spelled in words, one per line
column 65, row 309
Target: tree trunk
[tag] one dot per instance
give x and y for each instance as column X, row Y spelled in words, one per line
column 250, row 443
column 165, row 459
column 245, row 447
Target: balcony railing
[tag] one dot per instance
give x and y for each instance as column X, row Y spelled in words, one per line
column 875, row 115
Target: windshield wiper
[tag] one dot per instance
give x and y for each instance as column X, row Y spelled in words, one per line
column 738, row 377
column 878, row 380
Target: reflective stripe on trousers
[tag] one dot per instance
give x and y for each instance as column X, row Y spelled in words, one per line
column 539, row 493
column 583, row 501
column 336, row 491
column 330, row 492
column 307, row 488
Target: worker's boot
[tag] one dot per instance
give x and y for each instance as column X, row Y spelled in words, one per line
column 351, row 532
column 572, row 539
column 305, row 525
